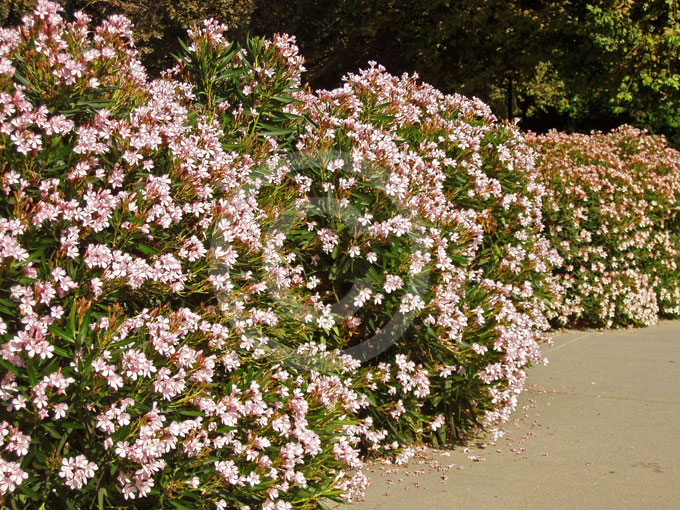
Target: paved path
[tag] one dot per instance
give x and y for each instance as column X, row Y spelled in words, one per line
column 598, row 428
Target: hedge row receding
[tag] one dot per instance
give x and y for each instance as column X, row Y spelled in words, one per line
column 612, row 211
column 220, row 290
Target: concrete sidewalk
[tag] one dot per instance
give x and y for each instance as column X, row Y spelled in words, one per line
column 597, row 428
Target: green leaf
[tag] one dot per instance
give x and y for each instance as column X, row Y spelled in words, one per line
column 8, row 366
column 146, row 249
column 100, row 498
column 192, row 413
column 274, row 130
column 62, row 352
column 29, row 492
column 179, row 505
column 61, row 334
column 287, row 100
column 32, row 375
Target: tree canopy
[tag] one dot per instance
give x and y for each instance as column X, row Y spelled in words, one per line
column 571, row 64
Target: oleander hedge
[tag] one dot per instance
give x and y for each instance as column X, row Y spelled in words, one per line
column 220, row 289
column 612, row 211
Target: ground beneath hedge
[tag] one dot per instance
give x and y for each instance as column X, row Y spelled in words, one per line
column 599, row 427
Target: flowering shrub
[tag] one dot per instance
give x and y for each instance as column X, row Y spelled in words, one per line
column 193, row 269
column 613, row 213
column 418, row 209
column 123, row 383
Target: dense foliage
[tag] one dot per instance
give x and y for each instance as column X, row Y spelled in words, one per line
column 612, row 210
column 563, row 64
column 427, row 208
column 158, row 25
column 123, row 383
column 629, row 67
column 554, row 64
column 193, row 268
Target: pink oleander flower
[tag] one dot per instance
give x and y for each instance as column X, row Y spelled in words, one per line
column 77, row 471
column 392, row 283
column 11, row 476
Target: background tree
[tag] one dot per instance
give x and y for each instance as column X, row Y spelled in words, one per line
column 12, row 10
column 632, row 72
column 501, row 51
column 566, row 64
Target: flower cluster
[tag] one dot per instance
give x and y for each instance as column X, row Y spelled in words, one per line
column 613, row 213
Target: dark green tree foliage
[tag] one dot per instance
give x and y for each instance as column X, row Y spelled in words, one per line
column 491, row 49
column 12, row 10
column 569, row 64
column 632, row 49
